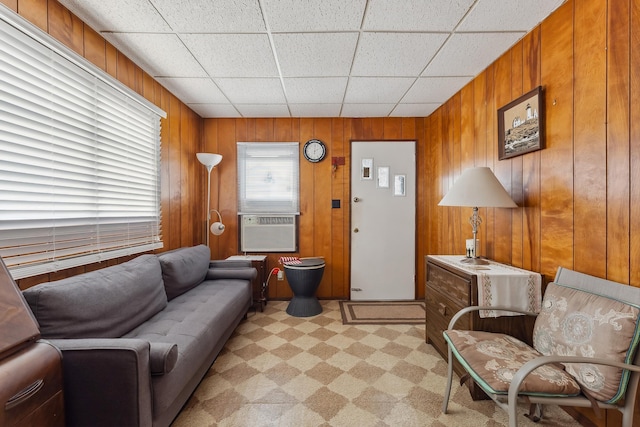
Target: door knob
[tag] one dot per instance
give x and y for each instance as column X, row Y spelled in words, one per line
column 356, row 199
column 355, row 230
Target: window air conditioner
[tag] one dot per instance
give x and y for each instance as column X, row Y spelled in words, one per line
column 268, row 233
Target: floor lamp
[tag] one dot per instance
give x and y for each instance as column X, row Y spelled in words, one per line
column 477, row 187
column 210, row 160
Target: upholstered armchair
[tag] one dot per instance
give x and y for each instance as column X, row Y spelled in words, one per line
column 584, row 352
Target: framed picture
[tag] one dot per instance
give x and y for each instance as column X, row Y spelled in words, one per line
column 521, row 125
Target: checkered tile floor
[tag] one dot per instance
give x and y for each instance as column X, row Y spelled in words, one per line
column 278, row 370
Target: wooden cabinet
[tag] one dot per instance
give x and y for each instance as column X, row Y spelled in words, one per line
column 30, row 370
column 259, row 285
column 31, row 387
column 449, row 289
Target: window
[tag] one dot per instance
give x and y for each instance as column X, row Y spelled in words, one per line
column 268, row 177
column 79, row 158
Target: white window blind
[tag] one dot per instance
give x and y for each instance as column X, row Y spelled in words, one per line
column 268, row 177
column 79, row 159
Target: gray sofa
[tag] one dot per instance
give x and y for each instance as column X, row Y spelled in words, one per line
column 138, row 337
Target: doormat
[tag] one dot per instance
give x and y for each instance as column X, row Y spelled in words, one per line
column 382, row 312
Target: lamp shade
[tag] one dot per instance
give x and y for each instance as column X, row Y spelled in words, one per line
column 478, row 187
column 217, row 228
column 210, row 160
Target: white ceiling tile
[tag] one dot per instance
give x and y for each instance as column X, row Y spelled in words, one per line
column 434, row 89
column 309, row 90
column 500, row 15
column 158, row 54
column 315, row 54
column 414, row 110
column 118, row 15
column 264, row 110
column 395, row 54
column 469, row 53
column 366, row 110
column 252, row 91
column 233, row 55
column 314, row 15
column 214, row 110
column 194, row 90
column 315, row 110
column 206, row 16
column 250, row 49
column 376, row 90
column 415, row 15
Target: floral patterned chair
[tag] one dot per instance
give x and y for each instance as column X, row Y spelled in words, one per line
column 584, row 351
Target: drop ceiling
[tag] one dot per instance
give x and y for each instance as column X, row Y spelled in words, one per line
column 313, row 58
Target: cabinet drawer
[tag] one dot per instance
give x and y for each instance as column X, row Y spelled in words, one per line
column 457, row 288
column 32, row 387
column 441, row 309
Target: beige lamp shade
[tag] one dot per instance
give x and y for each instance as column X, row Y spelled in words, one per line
column 478, row 187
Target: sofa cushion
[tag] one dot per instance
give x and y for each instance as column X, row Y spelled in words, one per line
column 105, row 303
column 199, row 322
column 184, row 269
column 492, row 359
column 578, row 323
column 162, row 357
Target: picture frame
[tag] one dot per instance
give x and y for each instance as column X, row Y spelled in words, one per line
column 521, row 125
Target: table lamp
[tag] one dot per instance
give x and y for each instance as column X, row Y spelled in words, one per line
column 477, row 187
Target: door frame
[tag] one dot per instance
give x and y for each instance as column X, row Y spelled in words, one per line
column 350, row 221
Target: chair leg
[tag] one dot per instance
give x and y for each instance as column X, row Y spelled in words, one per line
column 447, row 391
column 627, row 416
column 512, row 411
column 535, row 412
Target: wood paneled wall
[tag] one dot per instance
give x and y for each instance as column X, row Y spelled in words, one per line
column 181, row 175
column 576, row 198
column 579, row 197
column 323, row 231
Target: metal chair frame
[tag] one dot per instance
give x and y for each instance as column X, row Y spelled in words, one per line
column 509, row 401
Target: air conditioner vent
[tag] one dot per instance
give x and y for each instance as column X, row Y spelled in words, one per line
column 268, row 233
column 276, row 220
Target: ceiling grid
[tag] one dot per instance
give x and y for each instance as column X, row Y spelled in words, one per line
column 313, row 58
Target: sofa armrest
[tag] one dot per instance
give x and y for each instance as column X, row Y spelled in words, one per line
column 107, row 381
column 246, row 273
column 231, row 269
column 229, row 263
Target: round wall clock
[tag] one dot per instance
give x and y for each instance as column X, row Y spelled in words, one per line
column 314, row 150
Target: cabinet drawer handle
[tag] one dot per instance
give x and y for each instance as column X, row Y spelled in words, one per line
column 24, row 394
column 442, row 309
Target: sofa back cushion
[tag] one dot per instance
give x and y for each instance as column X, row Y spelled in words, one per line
column 184, row 269
column 105, row 303
column 574, row 322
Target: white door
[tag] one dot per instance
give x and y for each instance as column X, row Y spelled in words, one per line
column 383, row 211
